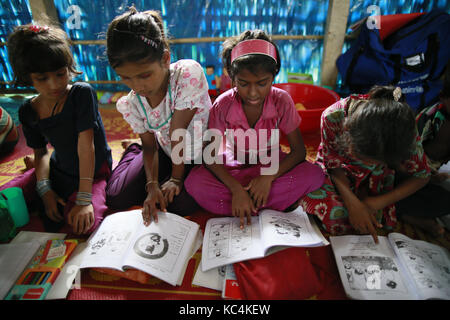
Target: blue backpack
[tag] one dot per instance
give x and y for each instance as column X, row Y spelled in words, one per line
column 412, row 57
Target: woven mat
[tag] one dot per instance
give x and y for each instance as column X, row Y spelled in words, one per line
column 99, row 286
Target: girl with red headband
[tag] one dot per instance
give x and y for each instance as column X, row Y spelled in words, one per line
column 239, row 186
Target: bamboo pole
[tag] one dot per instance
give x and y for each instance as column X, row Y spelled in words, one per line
column 207, row 39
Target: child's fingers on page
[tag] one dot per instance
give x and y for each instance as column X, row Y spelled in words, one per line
column 249, row 218
column 154, row 214
column 146, row 214
column 242, row 219
column 371, row 230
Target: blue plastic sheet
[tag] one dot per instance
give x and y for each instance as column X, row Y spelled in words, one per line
column 203, row 18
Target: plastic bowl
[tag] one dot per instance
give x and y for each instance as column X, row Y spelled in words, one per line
column 315, row 99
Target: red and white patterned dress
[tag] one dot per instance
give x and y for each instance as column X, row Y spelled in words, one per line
column 326, row 203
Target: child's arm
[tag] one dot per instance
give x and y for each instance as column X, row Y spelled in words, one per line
column 151, row 165
column 438, row 149
column 180, row 120
column 42, row 171
column 259, row 188
column 360, row 215
column 81, row 216
column 406, row 188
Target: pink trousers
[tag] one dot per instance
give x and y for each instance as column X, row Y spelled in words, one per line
column 214, row 196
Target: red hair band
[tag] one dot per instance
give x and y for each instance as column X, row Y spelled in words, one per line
column 37, row 29
column 255, row 46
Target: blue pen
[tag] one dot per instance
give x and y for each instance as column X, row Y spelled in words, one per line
column 45, row 278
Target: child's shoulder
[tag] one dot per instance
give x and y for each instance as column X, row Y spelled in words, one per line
column 186, row 65
column 26, row 111
column 82, row 86
column 226, row 99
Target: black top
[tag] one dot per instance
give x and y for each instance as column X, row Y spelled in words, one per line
column 79, row 113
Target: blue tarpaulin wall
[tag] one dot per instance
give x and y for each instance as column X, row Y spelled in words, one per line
column 202, row 18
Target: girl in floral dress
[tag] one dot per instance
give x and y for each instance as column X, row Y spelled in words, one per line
column 365, row 141
column 164, row 97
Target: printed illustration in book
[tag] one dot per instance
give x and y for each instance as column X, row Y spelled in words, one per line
column 161, row 249
column 396, row 268
column 225, row 242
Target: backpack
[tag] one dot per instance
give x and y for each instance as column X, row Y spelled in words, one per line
column 410, row 51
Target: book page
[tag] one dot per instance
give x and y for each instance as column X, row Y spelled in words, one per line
column 225, row 242
column 212, row 279
column 41, row 237
column 13, row 260
column 162, row 249
column 108, row 245
column 287, row 229
column 428, row 265
column 445, row 168
column 368, row 270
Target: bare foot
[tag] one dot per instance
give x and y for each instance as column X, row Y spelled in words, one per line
column 29, row 162
column 127, row 142
column 429, row 225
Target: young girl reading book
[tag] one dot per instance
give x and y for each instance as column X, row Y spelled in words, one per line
column 164, row 97
column 70, row 181
column 240, row 185
column 365, row 141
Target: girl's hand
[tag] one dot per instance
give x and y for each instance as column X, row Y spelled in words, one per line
column 362, row 218
column 259, row 189
column 81, row 218
column 51, row 199
column 170, row 189
column 439, row 177
column 149, row 210
column 242, row 205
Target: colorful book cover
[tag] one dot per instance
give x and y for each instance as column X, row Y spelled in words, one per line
column 39, row 276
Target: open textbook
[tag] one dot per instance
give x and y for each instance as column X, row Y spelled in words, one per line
column 225, row 242
column 161, row 249
column 396, row 268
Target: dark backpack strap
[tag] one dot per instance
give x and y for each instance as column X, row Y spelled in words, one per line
column 397, row 59
column 352, row 65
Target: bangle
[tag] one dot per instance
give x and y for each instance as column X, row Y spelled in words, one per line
column 83, row 198
column 85, row 178
column 43, row 186
column 177, row 181
column 149, row 183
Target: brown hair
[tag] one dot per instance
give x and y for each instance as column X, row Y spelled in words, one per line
column 38, row 49
column 381, row 128
column 134, row 36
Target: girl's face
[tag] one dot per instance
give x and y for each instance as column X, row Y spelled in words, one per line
column 51, row 85
column 145, row 78
column 253, row 88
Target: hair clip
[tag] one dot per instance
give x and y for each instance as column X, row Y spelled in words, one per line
column 397, row 93
column 37, row 29
column 149, row 41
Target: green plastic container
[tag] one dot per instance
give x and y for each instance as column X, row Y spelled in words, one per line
column 13, row 199
column 7, row 227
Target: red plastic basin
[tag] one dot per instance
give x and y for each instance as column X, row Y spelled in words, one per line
column 314, row 98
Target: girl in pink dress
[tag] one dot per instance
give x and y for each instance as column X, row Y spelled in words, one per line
column 247, row 119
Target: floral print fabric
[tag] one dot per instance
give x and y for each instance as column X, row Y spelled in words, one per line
column 188, row 89
column 377, row 179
